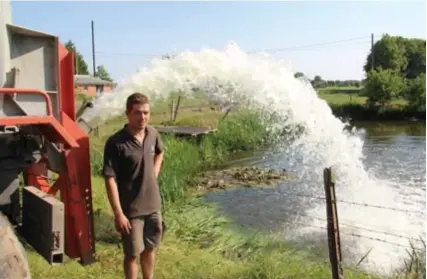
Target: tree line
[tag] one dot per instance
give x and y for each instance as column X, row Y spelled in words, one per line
column 81, row 67
column 396, row 69
column 318, row 82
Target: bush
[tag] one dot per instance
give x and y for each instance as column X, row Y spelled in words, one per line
column 184, row 158
column 416, row 93
column 382, row 86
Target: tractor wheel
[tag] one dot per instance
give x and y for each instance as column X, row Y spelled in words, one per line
column 13, row 262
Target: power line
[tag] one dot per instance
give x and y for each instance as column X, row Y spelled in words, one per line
column 128, row 54
column 273, row 50
column 321, row 47
column 311, row 45
column 147, row 56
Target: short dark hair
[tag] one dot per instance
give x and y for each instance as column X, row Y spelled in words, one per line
column 136, row 99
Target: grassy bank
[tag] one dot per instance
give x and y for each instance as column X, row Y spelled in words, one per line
column 199, row 243
column 360, row 112
column 348, row 103
column 340, row 90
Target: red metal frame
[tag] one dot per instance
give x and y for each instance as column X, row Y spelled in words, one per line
column 66, row 82
column 74, row 182
column 30, row 92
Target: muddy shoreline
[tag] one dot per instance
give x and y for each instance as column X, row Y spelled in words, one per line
column 240, row 177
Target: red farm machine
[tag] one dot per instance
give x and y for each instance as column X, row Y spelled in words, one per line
column 40, row 136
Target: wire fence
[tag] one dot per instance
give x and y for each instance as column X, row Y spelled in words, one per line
column 361, row 204
column 346, row 225
column 357, row 203
column 335, row 229
column 359, row 235
column 354, row 267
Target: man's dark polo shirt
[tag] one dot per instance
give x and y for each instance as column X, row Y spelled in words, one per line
column 132, row 165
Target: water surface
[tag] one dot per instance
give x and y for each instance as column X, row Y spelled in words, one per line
column 395, row 158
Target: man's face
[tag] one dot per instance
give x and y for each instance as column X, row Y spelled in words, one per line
column 138, row 116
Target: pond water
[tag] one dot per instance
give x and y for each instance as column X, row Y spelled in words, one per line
column 380, row 218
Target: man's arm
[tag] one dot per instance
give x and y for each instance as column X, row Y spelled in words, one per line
column 109, row 171
column 159, row 153
column 113, row 195
column 120, row 220
column 158, row 159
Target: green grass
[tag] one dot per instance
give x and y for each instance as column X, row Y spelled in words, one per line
column 348, row 102
column 342, row 90
column 199, row 242
column 342, row 99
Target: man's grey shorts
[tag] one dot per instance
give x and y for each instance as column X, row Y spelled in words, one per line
column 146, row 232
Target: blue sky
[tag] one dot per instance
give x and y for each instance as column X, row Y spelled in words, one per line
column 127, row 34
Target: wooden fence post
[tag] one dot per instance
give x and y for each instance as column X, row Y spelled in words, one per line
column 175, row 113
column 172, row 110
column 333, row 226
column 96, row 132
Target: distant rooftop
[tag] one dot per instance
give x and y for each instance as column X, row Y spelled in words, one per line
column 90, row 80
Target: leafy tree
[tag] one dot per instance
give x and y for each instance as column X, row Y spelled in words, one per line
column 331, row 83
column 298, row 74
column 416, row 93
column 80, row 66
column 318, row 82
column 358, row 83
column 416, row 56
column 399, row 71
column 317, row 79
column 102, row 73
column 404, row 55
column 382, row 86
column 388, row 54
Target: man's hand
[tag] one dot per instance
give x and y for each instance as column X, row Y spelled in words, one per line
column 122, row 224
column 120, row 220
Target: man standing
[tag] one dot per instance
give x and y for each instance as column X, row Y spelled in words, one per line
column 132, row 160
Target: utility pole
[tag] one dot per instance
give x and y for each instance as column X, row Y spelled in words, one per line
column 93, row 50
column 372, row 52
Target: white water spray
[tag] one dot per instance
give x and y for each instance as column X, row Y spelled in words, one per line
column 262, row 80
column 259, row 79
